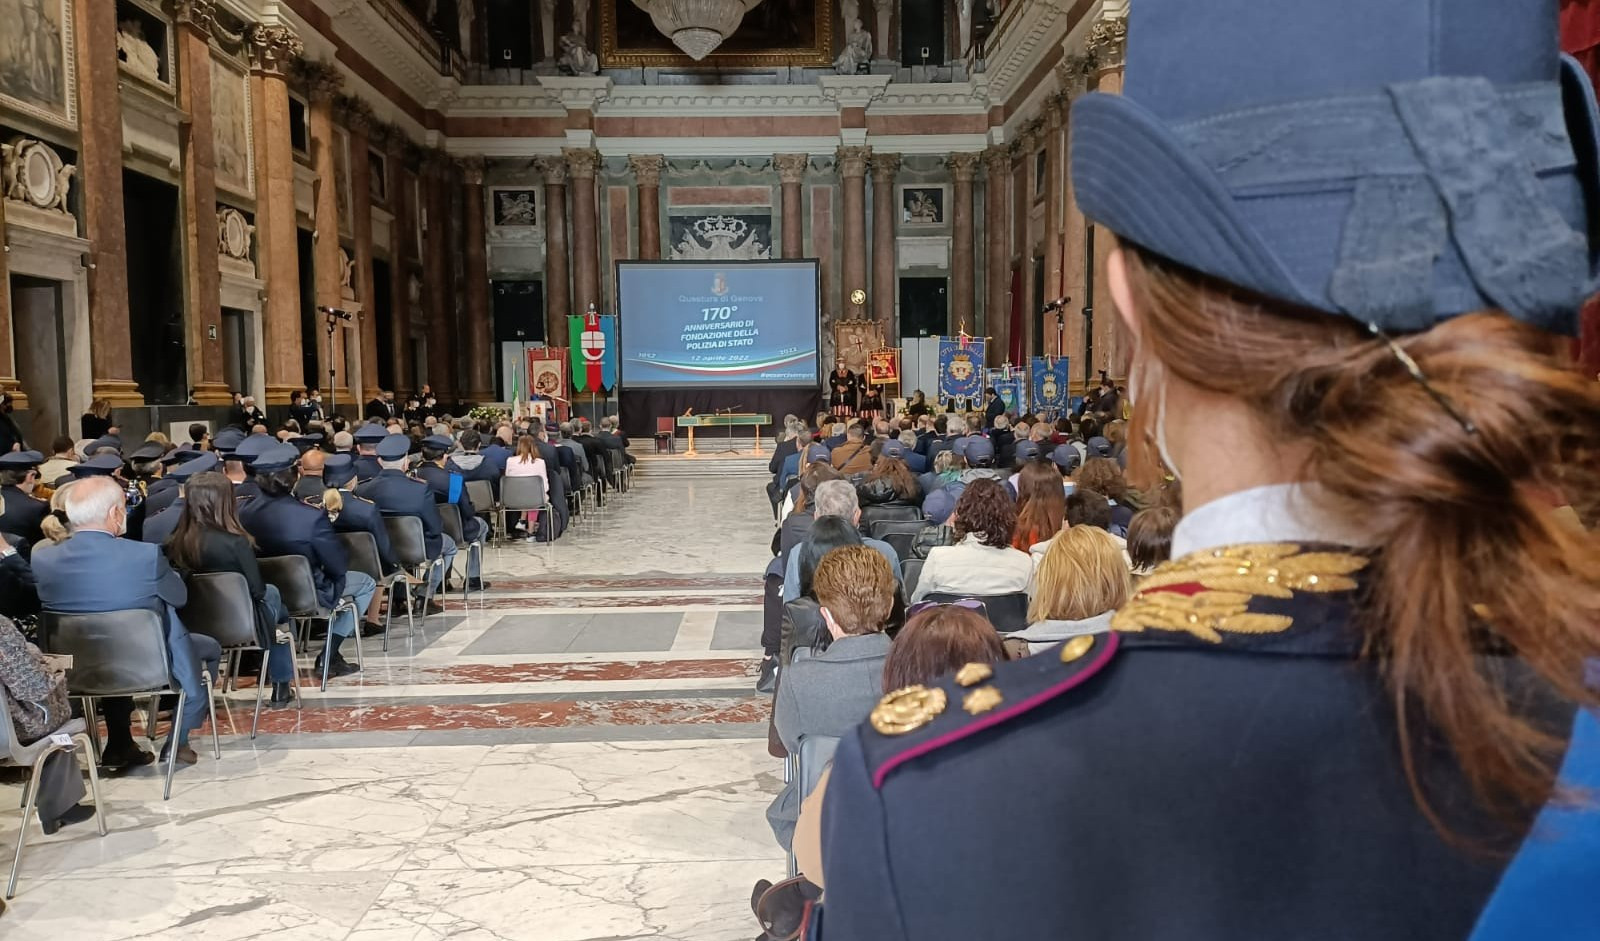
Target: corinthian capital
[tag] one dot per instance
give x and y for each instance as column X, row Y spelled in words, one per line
column 472, row 168
column 582, row 162
column 1108, row 42
column 553, row 169
column 791, row 167
column 964, row 166
column 852, row 161
column 199, row 14
column 273, row 48
column 997, row 160
column 647, row 169
column 884, row 166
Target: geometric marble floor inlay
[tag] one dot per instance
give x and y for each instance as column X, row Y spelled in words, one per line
column 578, row 754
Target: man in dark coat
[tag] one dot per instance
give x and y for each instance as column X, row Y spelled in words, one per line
column 451, row 487
column 398, row 494
column 19, row 474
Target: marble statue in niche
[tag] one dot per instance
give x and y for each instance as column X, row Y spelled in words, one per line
column 857, row 52
column 33, row 55
column 576, row 59
column 135, row 52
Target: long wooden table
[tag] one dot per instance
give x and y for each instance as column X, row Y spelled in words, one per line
column 723, row 420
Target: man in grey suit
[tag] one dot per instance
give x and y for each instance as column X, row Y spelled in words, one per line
column 94, row 571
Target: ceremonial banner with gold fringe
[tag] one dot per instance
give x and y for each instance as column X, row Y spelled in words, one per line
column 883, row 367
column 961, row 371
column 1050, row 386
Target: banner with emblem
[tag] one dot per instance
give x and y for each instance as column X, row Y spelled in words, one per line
column 1008, row 382
column 547, row 374
column 593, row 341
column 961, row 372
column 883, row 366
column 1050, row 385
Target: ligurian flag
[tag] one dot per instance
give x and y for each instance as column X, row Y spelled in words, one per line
column 593, row 342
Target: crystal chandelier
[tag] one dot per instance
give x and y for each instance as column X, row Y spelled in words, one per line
column 696, row 26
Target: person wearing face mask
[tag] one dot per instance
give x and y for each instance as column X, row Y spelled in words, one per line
column 381, row 408
column 72, row 578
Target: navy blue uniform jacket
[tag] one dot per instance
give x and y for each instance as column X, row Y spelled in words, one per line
column 399, row 495
column 1223, row 765
column 285, row 526
column 23, row 514
column 439, row 481
column 363, row 516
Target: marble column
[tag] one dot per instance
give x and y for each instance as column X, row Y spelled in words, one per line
column 647, row 172
column 582, row 165
column 99, row 178
column 791, row 171
column 8, row 379
column 997, row 257
column 401, row 242
column 852, row 164
column 1108, row 40
column 885, row 287
column 557, row 274
column 1055, row 174
column 359, row 120
column 437, row 171
column 964, row 168
column 1073, row 72
column 480, row 366
column 272, row 50
column 322, row 82
column 202, row 282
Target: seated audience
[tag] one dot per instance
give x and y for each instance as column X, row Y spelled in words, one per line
column 1081, row 581
column 1041, row 505
column 71, row 576
column 831, row 693
column 397, row 494
column 1090, row 508
column 1150, row 538
column 19, row 593
column 1104, row 476
column 801, row 622
column 854, row 455
column 835, row 498
column 889, row 483
column 209, row 538
column 528, row 463
column 982, row 561
column 62, row 457
column 449, row 487
column 310, row 485
column 35, row 692
column 20, row 511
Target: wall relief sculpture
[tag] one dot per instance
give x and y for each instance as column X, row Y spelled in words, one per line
column 722, row 238
column 36, row 183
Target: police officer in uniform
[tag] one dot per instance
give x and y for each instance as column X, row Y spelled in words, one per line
column 282, row 525
column 1340, row 709
column 448, row 486
column 163, row 491
column 366, row 462
column 158, row 526
column 398, row 494
column 19, row 474
column 358, row 514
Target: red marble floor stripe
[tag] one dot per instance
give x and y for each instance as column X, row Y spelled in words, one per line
column 491, row 602
column 629, row 582
column 518, row 715
column 603, row 670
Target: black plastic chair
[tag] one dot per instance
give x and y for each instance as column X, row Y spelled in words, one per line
column 410, row 546
column 116, row 653
column 362, row 550
column 450, row 522
column 910, row 574
column 292, row 575
column 1007, row 612
column 220, row 608
column 899, row 534
column 482, row 496
column 871, row 516
column 32, row 757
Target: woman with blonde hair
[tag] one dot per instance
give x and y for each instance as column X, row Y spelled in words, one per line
column 1358, row 701
column 55, row 526
column 96, row 422
column 1081, row 581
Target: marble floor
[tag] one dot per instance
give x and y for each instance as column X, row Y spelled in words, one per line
column 577, row 755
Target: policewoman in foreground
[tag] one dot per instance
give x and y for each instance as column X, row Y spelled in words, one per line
column 1353, row 239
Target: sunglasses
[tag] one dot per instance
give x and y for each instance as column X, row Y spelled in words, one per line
column 971, row 604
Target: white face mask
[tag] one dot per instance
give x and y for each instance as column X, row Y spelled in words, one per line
column 1137, row 377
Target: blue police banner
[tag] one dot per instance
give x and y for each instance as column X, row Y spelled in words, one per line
column 1008, row 383
column 961, row 373
column 1050, row 397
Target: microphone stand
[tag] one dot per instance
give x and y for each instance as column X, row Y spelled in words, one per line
column 333, row 385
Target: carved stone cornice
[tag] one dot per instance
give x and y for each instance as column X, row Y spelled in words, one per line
column 853, row 91
column 964, row 166
column 997, row 160
column 322, row 80
column 851, row 162
column 553, row 169
column 647, row 169
column 577, row 93
column 472, row 168
column 198, row 15
column 884, row 166
column 791, row 167
column 273, row 48
column 1108, row 43
column 1073, row 72
column 582, row 162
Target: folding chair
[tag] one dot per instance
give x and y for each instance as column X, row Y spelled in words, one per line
column 220, row 608
column 116, row 653
column 409, row 542
column 910, row 573
column 667, row 435
column 482, row 496
column 525, row 494
column 450, row 520
column 362, row 551
column 32, row 757
column 292, row 575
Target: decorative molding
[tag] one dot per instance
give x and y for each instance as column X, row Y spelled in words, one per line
column 356, row 115
column 273, row 48
column 37, row 183
column 1108, row 42
column 851, row 162
column 1016, row 46
column 647, row 169
column 234, row 234
column 883, row 166
column 577, row 93
column 553, row 169
column 997, row 161
column 582, row 162
column 199, row 15
column 1073, row 72
column 964, row 166
column 853, row 91
column 791, row 167
column 641, row 101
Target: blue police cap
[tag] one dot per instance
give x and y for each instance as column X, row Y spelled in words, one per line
column 394, row 447
column 149, row 451
column 818, row 452
column 227, row 439
column 1027, row 450
column 198, row 465
column 101, row 465
column 438, row 442
column 1066, row 457
column 978, row 449
column 21, row 460
column 338, row 470
column 893, row 448
column 274, row 458
column 370, row 434
column 181, row 456
column 102, row 443
column 1098, row 447
column 253, row 447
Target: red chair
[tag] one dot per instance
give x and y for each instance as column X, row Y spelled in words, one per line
column 667, row 435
